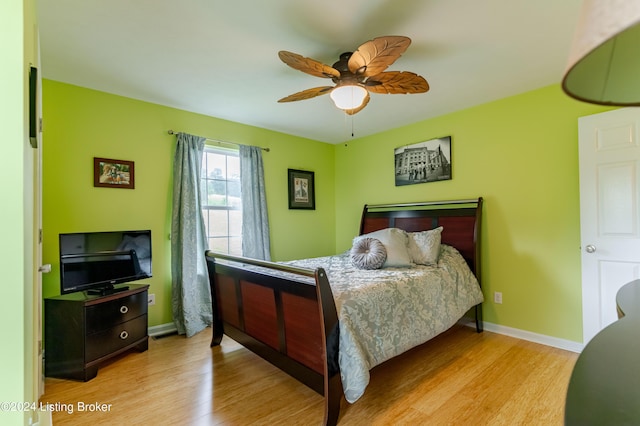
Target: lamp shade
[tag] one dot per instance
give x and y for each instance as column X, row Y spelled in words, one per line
column 348, row 96
column 604, row 62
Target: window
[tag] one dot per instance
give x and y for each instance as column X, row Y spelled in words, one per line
column 221, row 200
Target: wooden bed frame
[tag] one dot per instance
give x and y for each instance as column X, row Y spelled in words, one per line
column 291, row 319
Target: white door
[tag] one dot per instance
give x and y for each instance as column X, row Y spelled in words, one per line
column 609, row 148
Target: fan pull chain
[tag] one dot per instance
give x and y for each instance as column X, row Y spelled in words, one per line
column 345, row 124
column 346, row 117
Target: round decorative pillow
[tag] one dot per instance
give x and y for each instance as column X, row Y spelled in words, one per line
column 368, row 253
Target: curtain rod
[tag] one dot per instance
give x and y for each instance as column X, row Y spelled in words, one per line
column 171, row 132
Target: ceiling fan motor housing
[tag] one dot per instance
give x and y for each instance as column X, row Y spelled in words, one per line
column 346, row 76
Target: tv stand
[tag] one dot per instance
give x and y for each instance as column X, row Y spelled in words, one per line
column 83, row 330
column 104, row 291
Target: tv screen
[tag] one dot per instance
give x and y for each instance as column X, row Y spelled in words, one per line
column 95, row 261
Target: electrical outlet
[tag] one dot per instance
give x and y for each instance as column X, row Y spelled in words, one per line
column 152, row 299
column 497, row 297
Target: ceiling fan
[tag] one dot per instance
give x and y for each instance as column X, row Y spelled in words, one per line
column 358, row 73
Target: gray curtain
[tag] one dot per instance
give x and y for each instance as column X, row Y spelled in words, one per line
column 191, row 294
column 255, row 222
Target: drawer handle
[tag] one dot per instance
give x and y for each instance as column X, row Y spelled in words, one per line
column 124, row 335
column 124, row 309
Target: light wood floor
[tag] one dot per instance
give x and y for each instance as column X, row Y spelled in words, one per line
column 459, row 378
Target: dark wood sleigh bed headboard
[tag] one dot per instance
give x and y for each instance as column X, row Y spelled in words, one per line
column 460, row 219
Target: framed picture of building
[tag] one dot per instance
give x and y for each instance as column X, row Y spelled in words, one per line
column 428, row 161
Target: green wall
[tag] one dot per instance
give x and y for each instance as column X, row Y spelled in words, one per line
column 82, row 124
column 12, row 297
column 521, row 155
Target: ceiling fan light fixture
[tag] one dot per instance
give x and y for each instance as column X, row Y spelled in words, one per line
column 348, row 96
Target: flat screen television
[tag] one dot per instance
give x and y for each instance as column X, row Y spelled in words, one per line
column 96, row 261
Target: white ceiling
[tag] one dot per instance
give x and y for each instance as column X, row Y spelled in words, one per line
column 220, row 58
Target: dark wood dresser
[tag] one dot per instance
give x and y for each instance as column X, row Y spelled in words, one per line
column 82, row 330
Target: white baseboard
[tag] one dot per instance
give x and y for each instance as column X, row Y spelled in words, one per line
column 162, row 329
column 555, row 342
column 41, row 418
column 567, row 345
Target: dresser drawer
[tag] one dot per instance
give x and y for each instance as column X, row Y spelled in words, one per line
column 105, row 315
column 107, row 341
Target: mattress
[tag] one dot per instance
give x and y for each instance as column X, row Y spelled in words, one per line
column 385, row 312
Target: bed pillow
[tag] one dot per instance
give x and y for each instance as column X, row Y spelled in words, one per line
column 395, row 242
column 424, row 246
column 368, row 253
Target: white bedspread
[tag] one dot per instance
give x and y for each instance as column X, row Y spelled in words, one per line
column 385, row 312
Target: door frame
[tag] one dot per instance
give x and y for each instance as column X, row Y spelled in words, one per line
column 592, row 295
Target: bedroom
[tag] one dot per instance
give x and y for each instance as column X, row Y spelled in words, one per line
column 527, row 206
column 519, row 153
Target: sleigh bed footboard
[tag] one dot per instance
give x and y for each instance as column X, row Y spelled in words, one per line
column 284, row 314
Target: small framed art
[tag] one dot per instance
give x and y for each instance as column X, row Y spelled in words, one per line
column 301, row 190
column 109, row 173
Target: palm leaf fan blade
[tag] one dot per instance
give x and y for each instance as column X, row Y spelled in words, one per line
column 374, row 56
column 397, row 82
column 307, row 94
column 308, row 65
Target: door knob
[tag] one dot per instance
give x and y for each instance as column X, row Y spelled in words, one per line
column 45, row 269
column 590, row 248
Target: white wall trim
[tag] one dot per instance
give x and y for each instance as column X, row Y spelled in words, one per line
column 555, row 342
column 162, row 329
column 567, row 345
column 42, row 418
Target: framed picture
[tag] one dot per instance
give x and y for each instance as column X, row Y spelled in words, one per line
column 301, row 190
column 428, row 161
column 109, row 173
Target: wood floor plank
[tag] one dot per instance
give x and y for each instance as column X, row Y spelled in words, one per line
column 458, row 378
